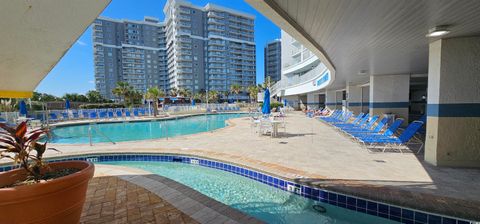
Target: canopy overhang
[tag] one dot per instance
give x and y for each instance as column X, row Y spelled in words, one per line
column 35, row 36
column 370, row 37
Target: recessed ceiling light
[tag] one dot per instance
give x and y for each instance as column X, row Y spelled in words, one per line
column 437, row 31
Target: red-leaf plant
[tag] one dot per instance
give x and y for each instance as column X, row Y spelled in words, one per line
column 19, row 144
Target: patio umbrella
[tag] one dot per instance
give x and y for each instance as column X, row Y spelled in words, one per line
column 67, row 104
column 266, row 102
column 193, row 102
column 23, row 108
column 284, row 102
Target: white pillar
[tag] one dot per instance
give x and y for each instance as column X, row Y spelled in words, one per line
column 354, row 98
column 390, row 94
column 331, row 99
column 453, row 122
column 313, row 100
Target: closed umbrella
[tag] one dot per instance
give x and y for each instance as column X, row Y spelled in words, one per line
column 67, row 104
column 193, row 102
column 23, row 108
column 266, row 102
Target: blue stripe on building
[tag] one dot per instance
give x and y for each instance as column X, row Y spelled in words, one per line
column 334, row 103
column 454, row 110
column 354, row 104
column 389, row 104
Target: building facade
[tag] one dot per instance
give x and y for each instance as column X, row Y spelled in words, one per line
column 195, row 48
column 302, row 75
column 273, row 60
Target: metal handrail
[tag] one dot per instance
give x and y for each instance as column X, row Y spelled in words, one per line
column 96, row 128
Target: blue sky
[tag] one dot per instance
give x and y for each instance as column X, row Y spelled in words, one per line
column 74, row 72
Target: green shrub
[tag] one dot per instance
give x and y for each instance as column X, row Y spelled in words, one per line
column 273, row 105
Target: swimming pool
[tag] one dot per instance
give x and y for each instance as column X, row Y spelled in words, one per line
column 134, row 130
column 259, row 200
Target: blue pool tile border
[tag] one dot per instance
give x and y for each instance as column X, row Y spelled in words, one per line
column 396, row 213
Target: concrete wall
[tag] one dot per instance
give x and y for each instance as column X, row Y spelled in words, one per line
column 390, row 94
column 331, row 99
column 313, row 100
column 453, row 123
column 354, row 99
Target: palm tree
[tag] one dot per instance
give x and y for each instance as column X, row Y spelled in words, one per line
column 213, row 96
column 123, row 90
column 267, row 83
column 153, row 94
column 236, row 89
column 253, row 92
column 184, row 92
column 174, row 92
column 199, row 96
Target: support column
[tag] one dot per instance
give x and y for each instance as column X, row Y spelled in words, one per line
column 331, row 99
column 313, row 100
column 339, row 99
column 354, row 98
column 390, row 94
column 453, row 122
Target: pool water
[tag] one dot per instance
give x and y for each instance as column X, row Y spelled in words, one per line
column 129, row 131
column 259, row 200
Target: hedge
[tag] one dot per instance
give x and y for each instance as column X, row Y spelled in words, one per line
column 273, row 105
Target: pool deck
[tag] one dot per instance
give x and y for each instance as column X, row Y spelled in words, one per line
column 314, row 153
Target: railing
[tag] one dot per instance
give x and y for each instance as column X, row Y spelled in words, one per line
column 290, row 81
column 98, row 131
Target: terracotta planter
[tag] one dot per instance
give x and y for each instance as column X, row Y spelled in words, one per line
column 55, row 201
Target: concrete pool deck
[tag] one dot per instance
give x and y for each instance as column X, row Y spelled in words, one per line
column 313, row 152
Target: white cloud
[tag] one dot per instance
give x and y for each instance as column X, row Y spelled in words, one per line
column 79, row 42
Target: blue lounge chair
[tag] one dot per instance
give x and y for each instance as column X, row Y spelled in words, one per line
column 401, row 140
column 75, row 115
column 93, row 115
column 53, row 117
column 343, row 118
column 364, row 126
column 335, row 115
column 127, row 113
column 387, row 134
column 119, row 113
column 65, row 116
column 110, row 114
column 376, row 130
column 360, row 123
column 102, row 114
column 85, row 114
column 359, row 118
column 135, row 112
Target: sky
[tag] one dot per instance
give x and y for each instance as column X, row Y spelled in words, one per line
column 74, row 73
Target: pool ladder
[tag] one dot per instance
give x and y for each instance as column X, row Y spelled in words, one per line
column 96, row 129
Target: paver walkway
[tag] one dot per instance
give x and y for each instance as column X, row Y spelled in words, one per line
column 113, row 200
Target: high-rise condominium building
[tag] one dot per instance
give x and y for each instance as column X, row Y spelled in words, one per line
column 273, row 60
column 196, row 48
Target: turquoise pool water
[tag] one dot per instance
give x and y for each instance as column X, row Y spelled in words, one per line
column 129, row 131
column 264, row 202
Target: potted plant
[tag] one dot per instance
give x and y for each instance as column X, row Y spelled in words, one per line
column 38, row 192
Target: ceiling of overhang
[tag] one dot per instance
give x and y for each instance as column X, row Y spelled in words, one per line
column 36, row 34
column 380, row 36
